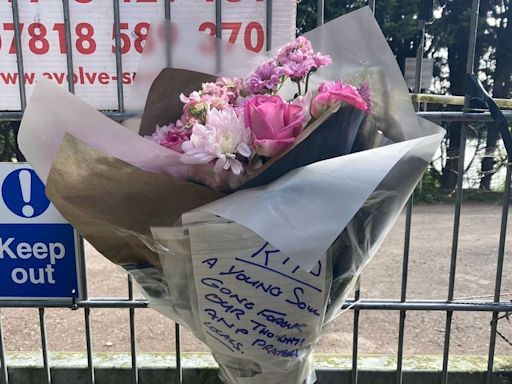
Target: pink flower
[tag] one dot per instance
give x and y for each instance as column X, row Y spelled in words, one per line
column 366, row 94
column 297, row 70
column 197, row 105
column 321, row 60
column 223, row 139
column 274, row 123
column 233, row 87
column 305, row 103
column 265, row 79
column 329, row 93
column 169, row 136
column 212, row 89
column 296, row 59
column 294, row 51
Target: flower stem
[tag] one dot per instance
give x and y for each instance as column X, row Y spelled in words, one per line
column 307, row 83
column 283, row 80
column 298, row 86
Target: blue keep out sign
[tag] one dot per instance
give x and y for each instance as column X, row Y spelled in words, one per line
column 38, row 248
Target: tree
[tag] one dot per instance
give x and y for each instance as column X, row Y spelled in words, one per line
column 9, row 150
column 450, row 34
column 493, row 63
column 397, row 18
column 500, row 31
column 447, row 40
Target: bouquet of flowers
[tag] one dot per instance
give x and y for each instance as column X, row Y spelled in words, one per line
column 246, row 204
column 235, row 126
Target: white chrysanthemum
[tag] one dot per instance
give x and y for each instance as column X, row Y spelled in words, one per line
column 222, row 138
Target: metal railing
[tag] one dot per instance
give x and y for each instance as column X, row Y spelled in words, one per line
column 403, row 305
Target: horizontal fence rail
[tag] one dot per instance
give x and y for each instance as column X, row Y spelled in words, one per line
column 402, row 305
column 362, row 304
column 433, row 116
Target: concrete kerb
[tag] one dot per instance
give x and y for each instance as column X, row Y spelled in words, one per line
column 200, row 368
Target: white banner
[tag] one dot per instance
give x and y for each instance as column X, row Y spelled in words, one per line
column 43, row 40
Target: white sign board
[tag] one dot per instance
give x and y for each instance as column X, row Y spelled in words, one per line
column 38, row 248
column 427, row 70
column 92, row 24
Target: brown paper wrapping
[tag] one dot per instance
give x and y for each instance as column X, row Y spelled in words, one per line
column 113, row 204
column 163, row 105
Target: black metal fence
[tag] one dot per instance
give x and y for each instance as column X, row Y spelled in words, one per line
column 358, row 304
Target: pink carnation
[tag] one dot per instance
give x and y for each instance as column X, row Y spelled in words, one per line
column 170, row 137
column 265, row 79
column 294, row 50
column 330, row 93
column 296, row 59
column 233, row 87
column 197, row 105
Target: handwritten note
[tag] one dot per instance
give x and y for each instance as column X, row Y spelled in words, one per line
column 253, row 300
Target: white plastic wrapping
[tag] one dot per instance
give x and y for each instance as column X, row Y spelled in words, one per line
column 257, row 273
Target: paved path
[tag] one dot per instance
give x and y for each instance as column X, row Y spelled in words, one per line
column 428, row 279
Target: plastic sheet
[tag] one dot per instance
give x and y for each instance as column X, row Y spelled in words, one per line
column 254, row 272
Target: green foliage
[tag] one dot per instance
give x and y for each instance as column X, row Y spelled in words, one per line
column 397, row 18
column 8, row 147
column 468, row 195
column 447, row 39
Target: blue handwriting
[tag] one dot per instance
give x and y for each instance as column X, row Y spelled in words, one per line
column 241, row 275
column 298, row 292
column 279, row 273
column 279, row 318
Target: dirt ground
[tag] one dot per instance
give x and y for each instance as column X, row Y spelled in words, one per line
column 428, row 279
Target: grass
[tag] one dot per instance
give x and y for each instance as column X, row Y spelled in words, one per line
column 438, row 196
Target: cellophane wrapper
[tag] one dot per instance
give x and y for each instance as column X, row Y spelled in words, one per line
column 256, row 269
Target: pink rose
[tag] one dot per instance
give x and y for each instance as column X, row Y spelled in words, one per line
column 170, row 137
column 329, row 93
column 273, row 122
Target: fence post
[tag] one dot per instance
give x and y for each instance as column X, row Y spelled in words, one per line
column 3, row 360
column 458, row 200
column 499, row 273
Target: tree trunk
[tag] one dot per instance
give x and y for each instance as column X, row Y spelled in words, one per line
column 501, row 89
column 457, row 53
column 450, row 170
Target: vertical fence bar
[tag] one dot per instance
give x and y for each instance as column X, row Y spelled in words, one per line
column 218, row 19
column 83, row 271
column 179, row 369
column 403, row 293
column 453, row 262
column 44, row 346
column 167, row 9
column 499, row 273
column 419, row 61
column 218, row 35
column 371, row 4
column 269, row 25
column 88, row 340
column 133, row 340
column 19, row 54
column 87, row 312
column 408, row 219
column 3, row 360
column 320, row 12
column 69, row 45
column 355, row 335
column 168, row 32
column 458, row 201
column 119, row 59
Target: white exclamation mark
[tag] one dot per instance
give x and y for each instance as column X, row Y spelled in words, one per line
column 26, row 185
